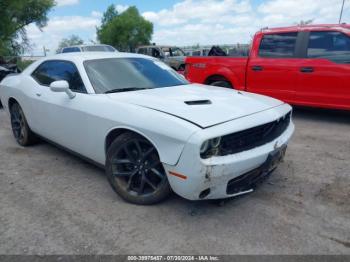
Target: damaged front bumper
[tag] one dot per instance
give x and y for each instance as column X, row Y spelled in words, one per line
column 221, row 177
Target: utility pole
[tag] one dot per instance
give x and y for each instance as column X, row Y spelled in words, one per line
column 341, row 11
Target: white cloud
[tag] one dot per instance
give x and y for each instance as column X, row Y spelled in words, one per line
column 70, row 23
column 202, row 34
column 230, row 21
column 96, row 14
column 290, row 11
column 121, row 8
column 60, row 27
column 66, row 2
column 190, row 22
column 205, row 10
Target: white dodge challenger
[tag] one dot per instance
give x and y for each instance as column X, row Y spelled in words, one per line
column 150, row 129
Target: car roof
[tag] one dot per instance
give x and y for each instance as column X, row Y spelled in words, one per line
column 339, row 27
column 82, row 56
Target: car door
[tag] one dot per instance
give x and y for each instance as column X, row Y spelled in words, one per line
column 324, row 75
column 273, row 65
column 59, row 118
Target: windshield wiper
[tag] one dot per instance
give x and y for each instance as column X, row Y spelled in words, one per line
column 118, row 90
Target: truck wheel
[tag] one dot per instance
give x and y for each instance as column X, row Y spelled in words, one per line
column 135, row 172
column 181, row 67
column 222, row 84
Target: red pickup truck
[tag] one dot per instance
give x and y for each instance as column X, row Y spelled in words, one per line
column 301, row 65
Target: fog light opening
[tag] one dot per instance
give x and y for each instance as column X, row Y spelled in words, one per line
column 204, row 193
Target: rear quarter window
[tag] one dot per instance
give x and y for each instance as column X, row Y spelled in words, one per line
column 281, row 45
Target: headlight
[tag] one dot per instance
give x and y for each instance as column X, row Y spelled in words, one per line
column 204, row 147
column 215, row 142
column 210, row 147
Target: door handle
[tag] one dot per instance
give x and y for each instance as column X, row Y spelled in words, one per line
column 38, row 94
column 306, row 69
column 257, row 68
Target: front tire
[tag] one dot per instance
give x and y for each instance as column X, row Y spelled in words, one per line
column 135, row 172
column 20, row 129
column 222, row 84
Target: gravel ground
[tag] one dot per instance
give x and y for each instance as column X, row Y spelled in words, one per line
column 54, row 203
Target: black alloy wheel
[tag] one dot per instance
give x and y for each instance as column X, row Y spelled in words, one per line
column 135, row 172
column 21, row 131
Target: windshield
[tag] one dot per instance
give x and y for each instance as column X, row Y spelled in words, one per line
column 172, row 51
column 130, row 74
column 177, row 51
column 70, row 49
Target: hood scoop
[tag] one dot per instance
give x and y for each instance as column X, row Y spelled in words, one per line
column 198, row 102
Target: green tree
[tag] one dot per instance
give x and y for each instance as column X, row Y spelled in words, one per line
column 15, row 15
column 124, row 31
column 71, row 40
column 109, row 15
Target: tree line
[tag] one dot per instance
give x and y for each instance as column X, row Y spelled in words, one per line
column 124, row 31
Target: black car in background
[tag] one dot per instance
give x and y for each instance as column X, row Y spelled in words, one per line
column 7, row 68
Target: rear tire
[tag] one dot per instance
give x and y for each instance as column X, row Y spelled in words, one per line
column 20, row 129
column 221, row 84
column 135, row 172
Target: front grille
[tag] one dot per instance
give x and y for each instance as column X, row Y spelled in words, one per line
column 253, row 137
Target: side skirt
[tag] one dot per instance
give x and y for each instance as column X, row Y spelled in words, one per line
column 84, row 158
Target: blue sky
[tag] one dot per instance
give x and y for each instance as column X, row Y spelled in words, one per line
column 185, row 22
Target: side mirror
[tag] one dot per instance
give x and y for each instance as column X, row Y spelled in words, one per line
column 62, row 86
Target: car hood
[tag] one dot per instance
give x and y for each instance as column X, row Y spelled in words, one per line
column 201, row 105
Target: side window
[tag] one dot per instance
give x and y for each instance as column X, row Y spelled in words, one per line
column 51, row 71
column 166, row 51
column 278, row 45
column 334, row 46
column 177, row 52
column 155, row 52
column 142, row 51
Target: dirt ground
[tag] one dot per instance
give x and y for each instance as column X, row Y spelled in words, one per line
column 54, row 203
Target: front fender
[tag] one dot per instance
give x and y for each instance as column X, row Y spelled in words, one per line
column 225, row 72
column 167, row 133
